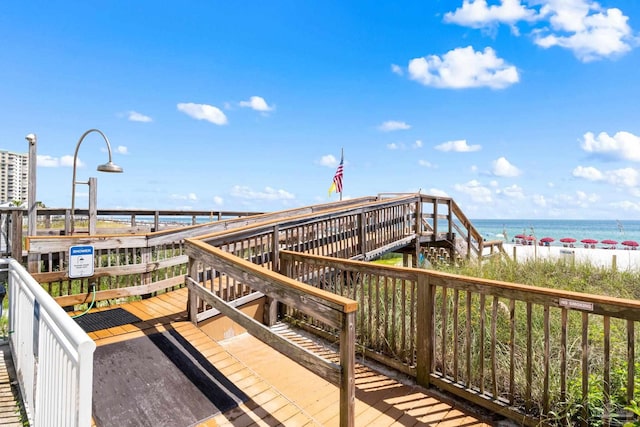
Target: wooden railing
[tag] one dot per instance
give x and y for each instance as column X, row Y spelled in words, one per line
column 143, row 263
column 129, row 265
column 533, row 354
column 230, row 273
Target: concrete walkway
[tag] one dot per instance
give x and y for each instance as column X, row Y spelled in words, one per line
column 10, row 401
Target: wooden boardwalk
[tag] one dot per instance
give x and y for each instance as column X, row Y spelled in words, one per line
column 10, row 402
column 280, row 391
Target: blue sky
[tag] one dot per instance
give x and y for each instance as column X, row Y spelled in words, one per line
column 515, row 108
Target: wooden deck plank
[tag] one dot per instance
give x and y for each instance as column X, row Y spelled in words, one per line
column 290, row 394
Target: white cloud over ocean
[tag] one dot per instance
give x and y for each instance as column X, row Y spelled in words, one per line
column 462, row 68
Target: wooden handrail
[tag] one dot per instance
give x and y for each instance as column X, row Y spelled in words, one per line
column 335, row 310
column 197, row 249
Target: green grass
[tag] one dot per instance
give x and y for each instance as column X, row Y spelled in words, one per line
column 584, row 278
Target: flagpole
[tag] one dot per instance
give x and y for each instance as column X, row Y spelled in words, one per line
column 342, row 158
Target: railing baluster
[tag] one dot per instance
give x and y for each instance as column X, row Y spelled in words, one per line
column 494, row 321
column 545, row 387
column 456, row 331
column 585, row 367
column 606, row 386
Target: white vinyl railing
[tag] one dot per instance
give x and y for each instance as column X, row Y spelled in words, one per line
column 52, row 355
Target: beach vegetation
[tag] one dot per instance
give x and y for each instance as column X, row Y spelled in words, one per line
column 584, row 278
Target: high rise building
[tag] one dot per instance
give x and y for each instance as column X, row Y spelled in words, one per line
column 14, row 176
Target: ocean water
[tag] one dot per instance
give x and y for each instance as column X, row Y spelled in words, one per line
column 494, row 229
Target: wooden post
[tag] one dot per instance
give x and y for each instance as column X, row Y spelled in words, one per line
column 145, row 259
column 362, row 234
column 67, row 222
column 424, row 330
column 32, row 215
column 614, row 262
column 93, row 202
column 192, row 298
column 156, row 221
column 270, row 316
column 16, row 235
column 435, row 219
column 418, row 219
column 347, row 373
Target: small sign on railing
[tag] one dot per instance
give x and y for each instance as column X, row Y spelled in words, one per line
column 579, row 305
column 81, row 261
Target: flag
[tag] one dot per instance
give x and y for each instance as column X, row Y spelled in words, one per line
column 336, row 185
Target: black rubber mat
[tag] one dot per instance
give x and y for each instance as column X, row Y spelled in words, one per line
column 91, row 322
column 158, row 380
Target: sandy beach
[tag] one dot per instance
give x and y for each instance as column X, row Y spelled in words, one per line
column 624, row 259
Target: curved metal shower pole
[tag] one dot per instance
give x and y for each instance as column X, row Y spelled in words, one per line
column 107, row 167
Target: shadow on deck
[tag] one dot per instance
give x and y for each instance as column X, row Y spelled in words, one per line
column 270, row 389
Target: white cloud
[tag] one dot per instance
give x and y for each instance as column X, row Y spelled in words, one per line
column 121, row 149
column 539, row 200
column 203, row 112
column 589, row 173
column 437, row 192
column 218, row 201
column 627, row 177
column 512, row 192
column 622, row 145
column 47, row 161
column 329, row 160
column 393, row 146
column 626, row 205
column 426, row 163
column 502, row 167
column 459, row 146
column 463, row 67
column 267, row 194
column 477, row 14
column 585, row 198
column 134, row 116
column 417, row 144
column 476, row 191
column 68, row 161
column 257, row 103
column 392, row 125
column 585, row 28
column 396, row 69
column 189, row 196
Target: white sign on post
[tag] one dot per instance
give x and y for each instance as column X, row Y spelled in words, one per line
column 81, row 261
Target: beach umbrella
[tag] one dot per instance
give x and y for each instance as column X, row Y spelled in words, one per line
column 520, row 236
column 568, row 240
column 608, row 242
column 589, row 241
column 631, row 243
column 530, row 237
column 547, row 239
